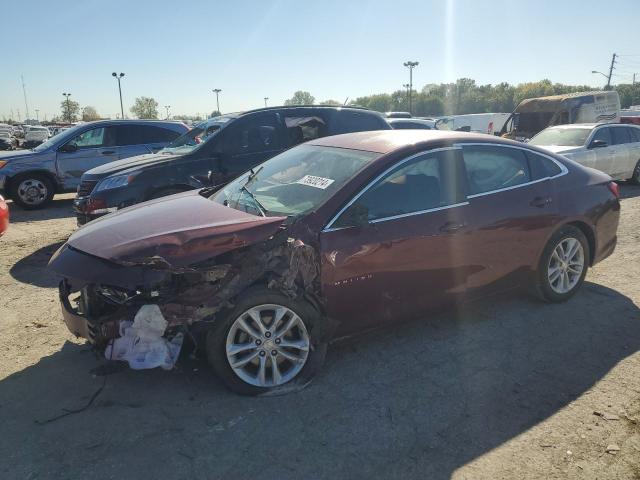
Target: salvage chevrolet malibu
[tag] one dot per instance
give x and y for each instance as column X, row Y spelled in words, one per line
column 335, row 236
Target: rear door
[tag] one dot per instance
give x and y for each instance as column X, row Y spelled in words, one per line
column 249, row 141
column 411, row 256
column 634, row 150
column 95, row 146
column 511, row 212
column 621, row 155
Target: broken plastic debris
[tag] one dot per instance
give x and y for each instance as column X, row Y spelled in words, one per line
column 141, row 342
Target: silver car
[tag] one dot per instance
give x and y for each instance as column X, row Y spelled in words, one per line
column 609, row 147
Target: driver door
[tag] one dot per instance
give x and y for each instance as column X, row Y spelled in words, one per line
column 91, row 148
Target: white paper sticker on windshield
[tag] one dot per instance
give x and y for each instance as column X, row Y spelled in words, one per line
column 317, row 182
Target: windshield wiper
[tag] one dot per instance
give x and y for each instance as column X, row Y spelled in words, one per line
column 261, row 209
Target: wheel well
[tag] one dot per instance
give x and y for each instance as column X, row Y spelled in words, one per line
column 591, row 238
column 43, row 173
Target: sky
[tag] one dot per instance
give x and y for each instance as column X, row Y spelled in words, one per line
column 177, row 52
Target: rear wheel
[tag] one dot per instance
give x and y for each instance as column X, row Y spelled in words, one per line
column 563, row 265
column 266, row 343
column 32, row 191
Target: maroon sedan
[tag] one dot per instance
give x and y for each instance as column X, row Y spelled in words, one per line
column 338, row 235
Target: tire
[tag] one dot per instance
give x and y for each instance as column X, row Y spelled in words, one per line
column 635, row 177
column 562, row 287
column 32, row 191
column 227, row 331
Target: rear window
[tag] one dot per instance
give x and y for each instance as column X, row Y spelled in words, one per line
column 620, row 135
column 492, row 168
column 634, row 133
column 542, row 167
column 358, row 122
column 143, row 134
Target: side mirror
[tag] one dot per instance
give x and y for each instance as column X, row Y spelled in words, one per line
column 69, row 147
column 598, row 144
column 357, row 215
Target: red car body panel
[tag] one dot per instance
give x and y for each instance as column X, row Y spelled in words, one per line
column 4, row 216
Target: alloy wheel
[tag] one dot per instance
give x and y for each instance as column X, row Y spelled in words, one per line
column 267, row 345
column 32, row 191
column 566, row 265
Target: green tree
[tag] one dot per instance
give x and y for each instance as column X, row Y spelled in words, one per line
column 301, row 98
column 331, row 103
column 215, row 113
column 70, row 110
column 89, row 114
column 629, row 94
column 145, row 107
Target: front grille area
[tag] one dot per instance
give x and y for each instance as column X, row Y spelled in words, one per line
column 86, row 187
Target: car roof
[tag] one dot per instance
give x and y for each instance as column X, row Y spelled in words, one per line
column 386, row 141
column 585, row 125
column 315, row 107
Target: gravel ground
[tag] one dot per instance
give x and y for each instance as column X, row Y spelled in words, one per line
column 504, row 389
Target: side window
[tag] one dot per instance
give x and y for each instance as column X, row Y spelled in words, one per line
column 492, row 168
column 153, row 134
column 634, row 133
column 603, row 134
column 542, row 167
column 425, row 183
column 253, row 134
column 302, row 129
column 143, row 134
column 358, row 122
column 620, row 135
column 97, row 137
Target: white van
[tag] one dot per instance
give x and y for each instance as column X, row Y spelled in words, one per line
column 490, row 123
column 535, row 114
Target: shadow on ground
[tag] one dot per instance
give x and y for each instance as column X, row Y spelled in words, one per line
column 413, row 401
column 32, row 269
column 628, row 190
column 60, row 207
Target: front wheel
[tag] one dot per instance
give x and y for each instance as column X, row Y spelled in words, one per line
column 267, row 343
column 563, row 265
column 32, row 191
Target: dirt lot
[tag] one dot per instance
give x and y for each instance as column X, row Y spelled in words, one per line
column 509, row 388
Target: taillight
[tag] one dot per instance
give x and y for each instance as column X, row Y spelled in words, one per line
column 613, row 188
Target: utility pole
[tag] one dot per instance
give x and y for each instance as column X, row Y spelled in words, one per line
column 37, row 117
column 613, row 61
column 118, row 77
column 217, row 92
column 407, row 86
column 24, row 92
column 265, row 101
column 167, row 107
column 634, row 80
column 410, row 65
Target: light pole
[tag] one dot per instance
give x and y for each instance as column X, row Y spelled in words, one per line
column 37, row 116
column 68, row 114
column 410, row 65
column 167, row 107
column 265, row 101
column 217, row 92
column 407, row 86
column 118, row 77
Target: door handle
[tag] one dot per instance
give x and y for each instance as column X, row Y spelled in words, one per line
column 108, row 152
column 541, row 202
column 451, row 227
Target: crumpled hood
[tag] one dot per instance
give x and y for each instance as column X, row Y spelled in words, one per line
column 561, row 148
column 182, row 229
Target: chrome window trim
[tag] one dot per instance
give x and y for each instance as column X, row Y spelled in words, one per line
column 329, row 228
column 563, row 170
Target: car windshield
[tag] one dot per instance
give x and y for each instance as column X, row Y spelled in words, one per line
column 58, row 139
column 195, row 137
column 573, row 137
column 294, row 182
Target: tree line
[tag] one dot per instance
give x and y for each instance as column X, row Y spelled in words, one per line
column 462, row 96
column 465, row 96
